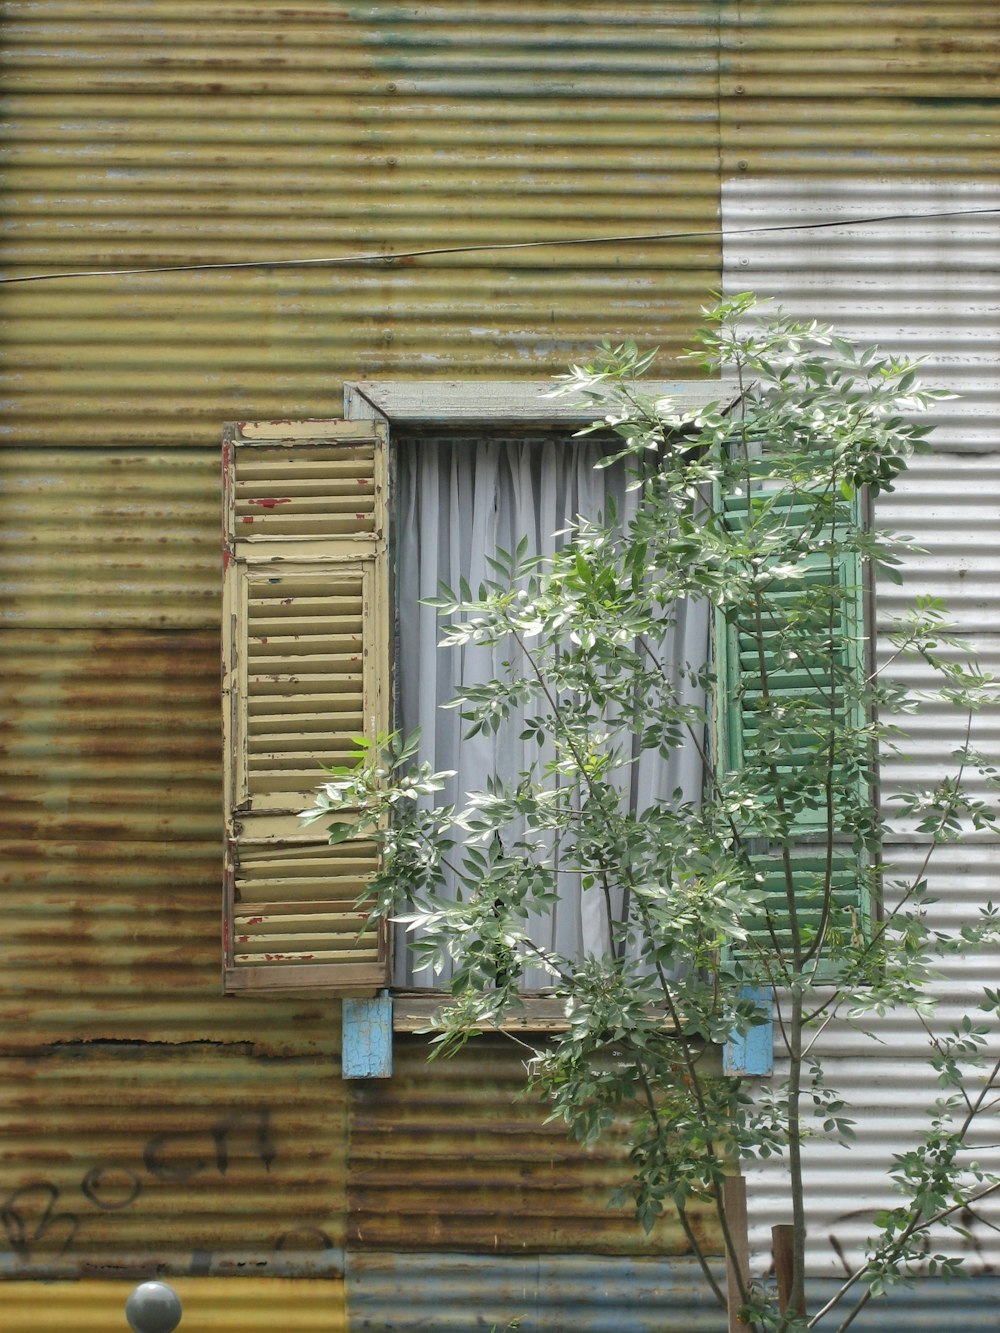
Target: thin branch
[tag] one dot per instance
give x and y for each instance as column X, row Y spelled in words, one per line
column 913, row 1230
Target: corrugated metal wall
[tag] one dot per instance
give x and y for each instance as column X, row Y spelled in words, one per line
column 448, row 1157
column 211, row 1305
column 140, row 133
column 926, row 288
column 146, row 1124
column 145, row 134
column 881, row 89
column 835, row 113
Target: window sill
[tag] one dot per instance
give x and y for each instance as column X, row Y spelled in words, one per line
column 416, row 1012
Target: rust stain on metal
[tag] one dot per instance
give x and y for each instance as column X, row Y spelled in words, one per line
column 203, row 1151
column 448, row 1156
column 545, row 141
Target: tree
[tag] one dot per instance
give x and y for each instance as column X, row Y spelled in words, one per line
column 771, row 879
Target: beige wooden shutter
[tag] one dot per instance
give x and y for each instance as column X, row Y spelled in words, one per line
column 306, row 671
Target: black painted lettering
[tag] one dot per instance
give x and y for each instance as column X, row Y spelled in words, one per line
column 111, row 1188
column 30, row 1220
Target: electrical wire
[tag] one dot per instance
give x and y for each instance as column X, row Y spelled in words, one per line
column 346, row 261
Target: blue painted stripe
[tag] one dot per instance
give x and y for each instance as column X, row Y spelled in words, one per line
column 366, row 1050
column 752, row 1053
column 432, row 1292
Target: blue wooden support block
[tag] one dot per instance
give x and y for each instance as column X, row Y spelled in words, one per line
column 752, row 1053
column 367, row 1038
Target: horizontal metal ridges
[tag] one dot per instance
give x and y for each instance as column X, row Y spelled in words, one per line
column 549, row 1293
column 880, row 91
column 105, row 539
column 919, row 286
column 141, row 135
column 110, row 876
column 210, row 1304
column 450, row 1157
column 199, row 1153
column 110, row 734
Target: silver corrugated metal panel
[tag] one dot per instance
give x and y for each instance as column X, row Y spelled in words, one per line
column 887, row 1087
column 950, row 505
column 887, row 1083
column 926, row 288
column 102, row 539
column 140, row 134
column 973, row 1307
column 549, row 1294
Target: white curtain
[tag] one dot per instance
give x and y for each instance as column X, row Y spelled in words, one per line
column 458, row 500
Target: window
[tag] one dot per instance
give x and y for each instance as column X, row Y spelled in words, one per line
column 309, row 631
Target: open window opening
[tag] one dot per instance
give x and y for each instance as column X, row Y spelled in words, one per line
column 335, row 532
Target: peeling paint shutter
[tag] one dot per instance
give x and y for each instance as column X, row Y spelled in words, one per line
column 828, row 593
column 306, row 671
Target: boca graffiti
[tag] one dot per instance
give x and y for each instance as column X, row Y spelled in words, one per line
column 37, row 1216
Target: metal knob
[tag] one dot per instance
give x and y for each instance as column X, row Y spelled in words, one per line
column 154, row 1307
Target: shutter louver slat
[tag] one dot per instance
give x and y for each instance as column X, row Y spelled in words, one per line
column 306, row 490
column 306, row 674
column 826, row 601
column 294, row 623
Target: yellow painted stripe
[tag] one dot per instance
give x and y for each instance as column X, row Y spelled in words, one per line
column 211, row 1305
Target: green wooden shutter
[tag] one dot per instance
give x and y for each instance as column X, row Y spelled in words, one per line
column 306, row 671
column 825, row 592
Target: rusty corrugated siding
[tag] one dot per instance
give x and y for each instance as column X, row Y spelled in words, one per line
column 110, row 861
column 448, row 1156
column 826, row 87
column 142, row 134
column 147, row 133
column 127, row 1159
column 109, row 539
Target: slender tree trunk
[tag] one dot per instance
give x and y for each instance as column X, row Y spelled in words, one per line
column 796, row 1293
column 734, row 1197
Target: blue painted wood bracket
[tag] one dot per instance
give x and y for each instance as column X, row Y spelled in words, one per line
column 753, row 1053
column 366, row 1050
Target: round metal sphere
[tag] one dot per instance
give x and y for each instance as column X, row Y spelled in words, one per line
column 154, row 1307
